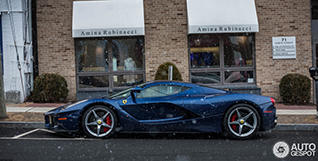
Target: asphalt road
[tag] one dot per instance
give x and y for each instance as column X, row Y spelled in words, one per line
column 38, row 144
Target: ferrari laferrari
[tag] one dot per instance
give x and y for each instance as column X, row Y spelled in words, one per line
column 167, row 107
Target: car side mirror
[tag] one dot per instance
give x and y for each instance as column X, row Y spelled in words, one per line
column 133, row 91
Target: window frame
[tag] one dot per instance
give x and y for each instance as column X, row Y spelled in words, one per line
column 110, row 73
column 222, row 69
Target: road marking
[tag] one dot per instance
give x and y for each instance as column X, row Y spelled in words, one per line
column 29, row 132
column 6, row 138
column 69, row 139
column 45, row 130
column 49, row 131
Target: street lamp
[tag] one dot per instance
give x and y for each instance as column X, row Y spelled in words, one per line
column 314, row 75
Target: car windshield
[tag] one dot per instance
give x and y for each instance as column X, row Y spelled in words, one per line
column 124, row 94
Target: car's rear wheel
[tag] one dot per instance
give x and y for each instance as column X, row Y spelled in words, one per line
column 241, row 121
column 99, row 121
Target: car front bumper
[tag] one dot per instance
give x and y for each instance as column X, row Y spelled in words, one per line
column 58, row 121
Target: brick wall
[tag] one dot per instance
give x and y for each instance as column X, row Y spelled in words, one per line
column 166, row 39
column 166, row 36
column 55, row 43
column 276, row 19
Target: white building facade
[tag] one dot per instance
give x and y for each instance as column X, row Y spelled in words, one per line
column 16, row 48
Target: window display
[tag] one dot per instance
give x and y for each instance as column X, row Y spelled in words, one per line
column 127, row 54
column 95, row 70
column 204, row 51
column 238, row 51
column 220, row 59
column 92, row 55
column 127, row 80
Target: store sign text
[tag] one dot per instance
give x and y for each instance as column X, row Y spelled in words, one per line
column 225, row 29
column 109, row 32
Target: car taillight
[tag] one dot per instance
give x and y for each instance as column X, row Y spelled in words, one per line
column 273, row 101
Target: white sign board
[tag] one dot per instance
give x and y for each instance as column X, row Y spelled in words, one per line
column 221, row 16
column 284, row 47
column 108, row 18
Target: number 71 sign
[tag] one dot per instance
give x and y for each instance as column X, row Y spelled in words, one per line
column 284, row 47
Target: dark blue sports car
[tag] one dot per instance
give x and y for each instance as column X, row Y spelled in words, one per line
column 167, row 106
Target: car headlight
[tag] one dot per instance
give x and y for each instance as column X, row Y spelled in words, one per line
column 71, row 105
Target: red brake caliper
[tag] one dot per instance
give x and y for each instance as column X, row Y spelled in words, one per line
column 233, row 119
column 108, row 122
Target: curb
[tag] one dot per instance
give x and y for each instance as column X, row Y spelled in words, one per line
column 278, row 127
column 10, row 124
column 301, row 127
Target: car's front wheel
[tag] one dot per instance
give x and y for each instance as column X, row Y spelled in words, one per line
column 99, row 121
column 241, row 121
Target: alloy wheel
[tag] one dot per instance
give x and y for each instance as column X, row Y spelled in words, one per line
column 99, row 122
column 242, row 121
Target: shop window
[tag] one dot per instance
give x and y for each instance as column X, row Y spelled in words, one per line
column 206, row 77
column 314, row 9
column 127, row 55
column 92, row 55
column 204, row 51
column 238, row 51
column 109, row 63
column 221, row 59
column 127, row 80
column 239, row 77
column 93, row 81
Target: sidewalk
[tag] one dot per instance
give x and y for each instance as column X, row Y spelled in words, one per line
column 32, row 107
column 44, row 107
column 295, row 109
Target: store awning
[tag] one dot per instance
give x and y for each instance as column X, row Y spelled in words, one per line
column 221, row 16
column 108, row 18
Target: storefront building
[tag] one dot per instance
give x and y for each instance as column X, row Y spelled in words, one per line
column 108, row 49
column 222, row 48
column 239, row 45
